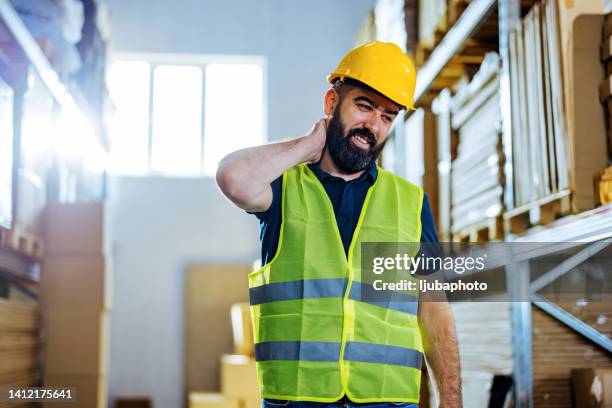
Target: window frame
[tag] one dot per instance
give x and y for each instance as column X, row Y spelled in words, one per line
column 200, row 61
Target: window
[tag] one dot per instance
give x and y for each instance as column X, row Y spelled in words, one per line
column 177, row 118
column 233, row 110
column 128, row 84
column 180, row 116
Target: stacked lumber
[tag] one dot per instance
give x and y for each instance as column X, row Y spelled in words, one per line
column 476, row 182
column 19, row 343
column 435, row 19
column 75, row 296
column 558, row 144
column 538, row 137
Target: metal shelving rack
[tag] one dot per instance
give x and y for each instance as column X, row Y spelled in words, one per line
column 593, row 227
column 17, row 269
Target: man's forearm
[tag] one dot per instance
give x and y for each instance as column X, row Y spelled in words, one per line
column 259, row 166
column 441, row 350
column 245, row 175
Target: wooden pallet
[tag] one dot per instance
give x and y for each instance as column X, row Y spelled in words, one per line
column 454, row 9
column 541, row 212
column 487, row 230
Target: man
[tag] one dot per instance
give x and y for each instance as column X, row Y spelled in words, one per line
column 318, row 197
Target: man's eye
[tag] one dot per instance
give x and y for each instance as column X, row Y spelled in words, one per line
column 387, row 119
column 364, row 107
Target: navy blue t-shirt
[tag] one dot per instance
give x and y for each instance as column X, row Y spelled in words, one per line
column 347, row 198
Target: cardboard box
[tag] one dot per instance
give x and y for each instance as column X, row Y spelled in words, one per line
column 18, row 316
column 207, row 311
column 77, row 342
column 22, row 377
column 211, row 400
column 76, row 229
column 603, row 186
column 580, row 30
column 75, row 281
column 592, row 387
column 251, row 402
column 238, row 376
column 15, row 361
column 11, row 341
column 242, row 329
column 91, row 390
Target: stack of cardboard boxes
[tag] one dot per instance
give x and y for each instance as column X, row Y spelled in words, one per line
column 75, row 299
column 239, row 385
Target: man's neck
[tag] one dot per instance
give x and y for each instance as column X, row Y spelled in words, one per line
column 328, row 165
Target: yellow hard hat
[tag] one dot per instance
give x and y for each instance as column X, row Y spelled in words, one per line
column 382, row 66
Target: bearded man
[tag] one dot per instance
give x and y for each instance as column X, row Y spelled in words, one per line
column 319, row 197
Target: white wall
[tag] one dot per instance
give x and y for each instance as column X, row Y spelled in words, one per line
column 161, row 225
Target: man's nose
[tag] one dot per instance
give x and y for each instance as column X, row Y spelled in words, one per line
column 373, row 124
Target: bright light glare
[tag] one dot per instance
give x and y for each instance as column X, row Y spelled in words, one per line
column 233, row 111
column 177, row 125
column 74, row 136
column 128, row 84
column 6, row 154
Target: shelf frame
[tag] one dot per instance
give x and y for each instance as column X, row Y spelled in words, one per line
column 451, row 44
column 518, row 278
column 594, row 226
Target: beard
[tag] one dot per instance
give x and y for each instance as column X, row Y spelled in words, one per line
column 348, row 157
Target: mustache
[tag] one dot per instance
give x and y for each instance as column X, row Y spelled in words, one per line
column 363, row 132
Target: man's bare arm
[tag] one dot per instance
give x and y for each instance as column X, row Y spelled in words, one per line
column 441, row 349
column 244, row 176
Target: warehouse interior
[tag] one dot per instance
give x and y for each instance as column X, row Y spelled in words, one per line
column 123, row 268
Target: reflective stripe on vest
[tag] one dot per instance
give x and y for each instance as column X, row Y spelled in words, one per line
column 323, row 288
column 316, row 336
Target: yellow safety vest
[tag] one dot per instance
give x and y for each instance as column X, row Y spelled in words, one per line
column 316, row 338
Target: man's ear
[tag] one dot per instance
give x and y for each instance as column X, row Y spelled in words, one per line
column 330, row 101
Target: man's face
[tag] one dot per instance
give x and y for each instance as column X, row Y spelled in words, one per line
column 358, row 129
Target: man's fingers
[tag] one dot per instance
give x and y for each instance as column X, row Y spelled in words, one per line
column 324, row 122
